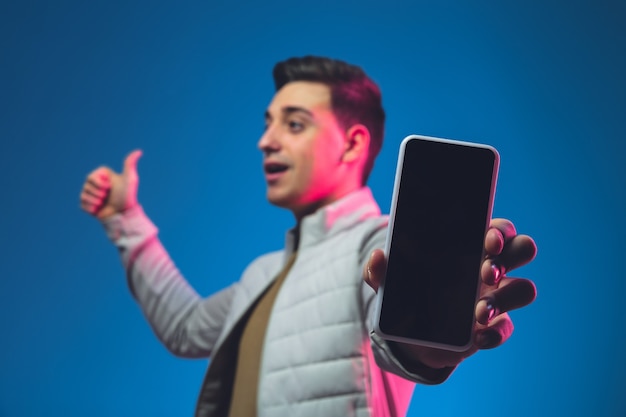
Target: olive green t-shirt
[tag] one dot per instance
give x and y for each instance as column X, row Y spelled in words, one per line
column 244, row 396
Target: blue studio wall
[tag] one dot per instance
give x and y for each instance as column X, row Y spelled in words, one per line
column 84, row 83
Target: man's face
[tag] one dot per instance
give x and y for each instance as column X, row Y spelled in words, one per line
column 303, row 147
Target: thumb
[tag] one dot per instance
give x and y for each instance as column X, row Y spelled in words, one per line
column 130, row 163
column 375, row 269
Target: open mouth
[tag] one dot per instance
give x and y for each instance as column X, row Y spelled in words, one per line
column 275, row 168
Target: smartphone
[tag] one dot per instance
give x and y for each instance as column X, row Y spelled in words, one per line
column 440, row 211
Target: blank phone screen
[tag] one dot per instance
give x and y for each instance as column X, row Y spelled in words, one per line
column 441, row 215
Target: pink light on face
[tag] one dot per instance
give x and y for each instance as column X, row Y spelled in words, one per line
column 303, row 148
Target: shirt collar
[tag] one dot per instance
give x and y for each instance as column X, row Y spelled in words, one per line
column 332, row 219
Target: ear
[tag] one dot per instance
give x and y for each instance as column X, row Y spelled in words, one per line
column 357, row 144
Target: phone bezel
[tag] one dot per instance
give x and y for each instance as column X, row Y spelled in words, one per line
column 390, row 228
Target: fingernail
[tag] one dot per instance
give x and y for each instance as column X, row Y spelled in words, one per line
column 497, row 273
column 492, row 310
column 369, row 265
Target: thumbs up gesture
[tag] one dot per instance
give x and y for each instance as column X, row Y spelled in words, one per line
column 106, row 192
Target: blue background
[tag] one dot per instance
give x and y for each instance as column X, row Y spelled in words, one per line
column 84, row 83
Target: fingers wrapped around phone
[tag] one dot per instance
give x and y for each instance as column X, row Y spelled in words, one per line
column 496, row 333
column 499, row 233
column 506, row 250
column 512, row 293
column 518, row 251
column 491, row 272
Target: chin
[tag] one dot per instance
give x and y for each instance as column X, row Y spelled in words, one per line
column 281, row 200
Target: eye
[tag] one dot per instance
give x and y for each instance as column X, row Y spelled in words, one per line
column 295, row 126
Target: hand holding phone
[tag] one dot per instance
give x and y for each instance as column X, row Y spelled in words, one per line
column 441, row 207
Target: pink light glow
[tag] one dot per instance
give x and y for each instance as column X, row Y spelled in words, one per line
column 389, row 394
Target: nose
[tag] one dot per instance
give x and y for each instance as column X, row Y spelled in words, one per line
column 268, row 142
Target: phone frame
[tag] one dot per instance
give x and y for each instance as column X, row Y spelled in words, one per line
column 392, row 215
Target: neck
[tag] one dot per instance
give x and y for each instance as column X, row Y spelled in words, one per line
column 303, row 211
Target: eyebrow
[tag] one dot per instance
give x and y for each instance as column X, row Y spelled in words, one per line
column 287, row 110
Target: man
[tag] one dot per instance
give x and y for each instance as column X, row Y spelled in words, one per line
column 293, row 336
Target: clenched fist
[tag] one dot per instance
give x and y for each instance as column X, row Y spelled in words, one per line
column 106, row 192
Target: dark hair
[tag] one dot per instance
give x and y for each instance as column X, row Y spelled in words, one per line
column 355, row 98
